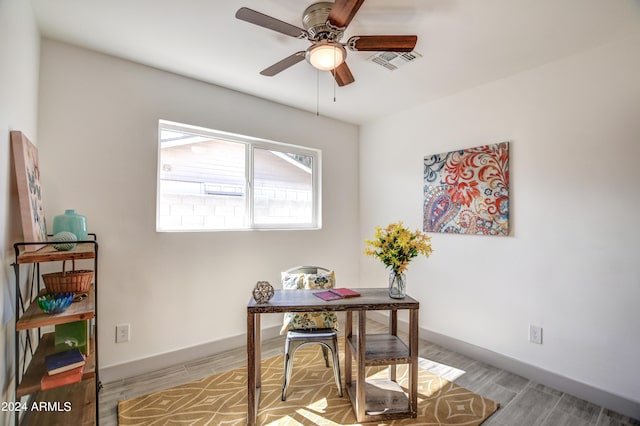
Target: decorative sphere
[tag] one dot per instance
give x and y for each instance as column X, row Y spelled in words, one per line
column 63, row 237
column 263, row 292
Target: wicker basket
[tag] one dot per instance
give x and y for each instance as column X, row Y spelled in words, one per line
column 65, row 282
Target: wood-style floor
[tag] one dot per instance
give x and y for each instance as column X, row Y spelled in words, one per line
column 522, row 401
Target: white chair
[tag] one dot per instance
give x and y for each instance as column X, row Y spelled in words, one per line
column 309, row 328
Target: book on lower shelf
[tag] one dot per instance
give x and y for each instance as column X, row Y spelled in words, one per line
column 65, row 378
column 64, row 361
column 336, row 293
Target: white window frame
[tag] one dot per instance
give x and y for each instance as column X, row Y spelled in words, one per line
column 250, row 143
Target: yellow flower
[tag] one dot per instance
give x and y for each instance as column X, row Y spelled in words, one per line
column 395, row 246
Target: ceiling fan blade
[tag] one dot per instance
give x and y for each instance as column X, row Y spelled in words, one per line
column 266, row 21
column 343, row 75
column 343, row 11
column 388, row 43
column 283, row 64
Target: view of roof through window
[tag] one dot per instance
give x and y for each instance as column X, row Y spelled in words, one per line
column 205, row 183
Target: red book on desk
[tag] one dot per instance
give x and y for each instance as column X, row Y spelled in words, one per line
column 336, row 293
column 345, row 292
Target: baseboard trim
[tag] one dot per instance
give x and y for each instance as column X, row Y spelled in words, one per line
column 113, row 373
column 576, row 388
column 573, row 387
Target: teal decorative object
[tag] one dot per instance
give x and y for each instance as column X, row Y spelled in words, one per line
column 55, row 303
column 63, row 237
column 72, row 222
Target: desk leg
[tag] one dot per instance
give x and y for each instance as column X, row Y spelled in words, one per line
column 253, row 367
column 393, row 330
column 348, row 333
column 413, row 354
column 360, row 378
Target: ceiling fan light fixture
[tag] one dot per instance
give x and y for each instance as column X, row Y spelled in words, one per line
column 326, row 55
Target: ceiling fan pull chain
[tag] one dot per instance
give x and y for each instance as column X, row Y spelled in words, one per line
column 317, row 93
column 334, row 80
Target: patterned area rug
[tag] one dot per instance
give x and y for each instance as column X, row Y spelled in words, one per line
column 312, row 399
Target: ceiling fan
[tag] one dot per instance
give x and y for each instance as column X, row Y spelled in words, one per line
column 324, row 25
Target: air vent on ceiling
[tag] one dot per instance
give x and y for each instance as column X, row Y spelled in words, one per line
column 394, row 60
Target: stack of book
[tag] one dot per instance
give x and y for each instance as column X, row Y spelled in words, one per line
column 63, row 368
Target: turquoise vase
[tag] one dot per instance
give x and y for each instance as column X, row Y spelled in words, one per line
column 72, row 222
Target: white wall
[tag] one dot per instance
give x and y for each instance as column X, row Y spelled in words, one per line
column 98, row 140
column 570, row 264
column 19, row 58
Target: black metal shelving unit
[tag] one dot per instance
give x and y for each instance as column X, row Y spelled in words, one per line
column 68, row 404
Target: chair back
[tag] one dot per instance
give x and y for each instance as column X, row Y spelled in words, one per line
column 306, row 270
column 309, row 277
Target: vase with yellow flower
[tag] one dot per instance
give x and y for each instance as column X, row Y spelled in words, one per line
column 396, row 246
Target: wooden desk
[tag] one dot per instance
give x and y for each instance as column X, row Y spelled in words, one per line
column 368, row 402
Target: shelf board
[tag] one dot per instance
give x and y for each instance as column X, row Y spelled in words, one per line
column 81, row 399
column 34, row 317
column 30, row 382
column 382, row 349
column 50, row 254
column 384, row 400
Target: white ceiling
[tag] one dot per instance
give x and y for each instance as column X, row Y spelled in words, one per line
column 464, row 43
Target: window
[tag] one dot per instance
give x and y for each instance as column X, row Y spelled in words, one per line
column 212, row 180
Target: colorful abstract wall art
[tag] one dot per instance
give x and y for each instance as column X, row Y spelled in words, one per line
column 467, row 191
column 25, row 155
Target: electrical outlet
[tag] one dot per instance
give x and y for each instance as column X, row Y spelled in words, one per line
column 122, row 333
column 535, row 334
